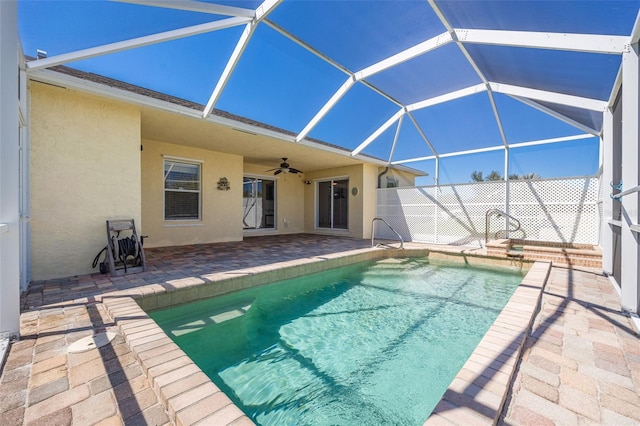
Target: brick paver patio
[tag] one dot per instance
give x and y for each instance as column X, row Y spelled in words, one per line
column 581, row 362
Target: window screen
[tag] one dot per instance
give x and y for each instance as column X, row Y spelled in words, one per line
column 181, row 190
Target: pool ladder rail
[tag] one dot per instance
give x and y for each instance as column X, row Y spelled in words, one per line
column 499, row 213
column 390, row 227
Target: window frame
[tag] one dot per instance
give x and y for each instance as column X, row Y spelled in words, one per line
column 188, row 162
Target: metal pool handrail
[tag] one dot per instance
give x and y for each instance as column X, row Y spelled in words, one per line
column 499, row 213
column 390, row 227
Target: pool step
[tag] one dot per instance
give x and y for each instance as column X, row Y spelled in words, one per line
column 572, row 255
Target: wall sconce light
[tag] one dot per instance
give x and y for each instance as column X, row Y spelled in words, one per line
column 307, row 182
column 223, row 184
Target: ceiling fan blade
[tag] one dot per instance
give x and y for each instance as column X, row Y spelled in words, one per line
column 284, row 167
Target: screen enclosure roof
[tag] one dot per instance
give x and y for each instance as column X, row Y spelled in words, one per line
column 404, row 81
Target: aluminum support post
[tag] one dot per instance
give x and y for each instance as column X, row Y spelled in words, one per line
column 9, row 173
column 630, row 252
column 507, row 195
column 611, row 175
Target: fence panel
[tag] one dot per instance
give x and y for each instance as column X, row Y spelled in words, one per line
column 557, row 210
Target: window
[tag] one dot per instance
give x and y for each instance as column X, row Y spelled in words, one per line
column 392, row 182
column 181, row 190
column 333, row 204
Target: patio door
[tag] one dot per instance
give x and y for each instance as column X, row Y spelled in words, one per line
column 258, row 203
column 333, row 204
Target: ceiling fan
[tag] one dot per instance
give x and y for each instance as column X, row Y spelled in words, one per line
column 284, row 168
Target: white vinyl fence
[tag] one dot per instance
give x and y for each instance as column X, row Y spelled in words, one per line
column 558, row 210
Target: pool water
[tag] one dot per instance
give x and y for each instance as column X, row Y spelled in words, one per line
column 368, row 344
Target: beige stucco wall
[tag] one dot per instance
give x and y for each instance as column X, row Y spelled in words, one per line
column 85, row 169
column 221, row 211
column 289, row 200
column 369, row 197
column 360, row 176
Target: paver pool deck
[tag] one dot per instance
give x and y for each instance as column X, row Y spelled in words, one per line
column 576, row 362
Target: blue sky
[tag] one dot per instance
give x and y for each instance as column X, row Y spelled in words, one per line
column 280, row 83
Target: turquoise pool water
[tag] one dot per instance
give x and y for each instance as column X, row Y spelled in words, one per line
column 368, row 344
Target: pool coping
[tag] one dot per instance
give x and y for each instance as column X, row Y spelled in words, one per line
column 190, row 397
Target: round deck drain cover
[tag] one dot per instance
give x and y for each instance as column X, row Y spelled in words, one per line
column 91, row 342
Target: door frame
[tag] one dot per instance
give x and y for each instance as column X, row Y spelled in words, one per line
column 316, row 183
column 275, row 202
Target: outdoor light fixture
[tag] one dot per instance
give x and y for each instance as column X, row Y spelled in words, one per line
column 223, row 184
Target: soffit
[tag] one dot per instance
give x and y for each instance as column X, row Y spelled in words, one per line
column 255, row 148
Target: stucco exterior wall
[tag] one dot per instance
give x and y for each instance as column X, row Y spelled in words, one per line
column 357, row 210
column 402, row 178
column 290, row 190
column 369, row 197
column 85, row 169
column 221, row 211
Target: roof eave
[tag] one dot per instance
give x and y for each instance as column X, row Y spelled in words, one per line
column 98, row 85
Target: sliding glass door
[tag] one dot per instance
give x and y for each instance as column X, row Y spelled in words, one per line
column 333, row 204
column 258, row 202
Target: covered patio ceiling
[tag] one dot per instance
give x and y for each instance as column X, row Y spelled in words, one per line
column 405, row 81
column 255, row 148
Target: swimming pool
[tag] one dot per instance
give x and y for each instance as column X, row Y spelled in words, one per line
column 365, row 344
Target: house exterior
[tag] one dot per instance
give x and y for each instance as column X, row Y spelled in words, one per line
column 77, row 149
column 102, row 149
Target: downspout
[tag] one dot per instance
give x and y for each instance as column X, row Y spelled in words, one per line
column 384, row 172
